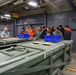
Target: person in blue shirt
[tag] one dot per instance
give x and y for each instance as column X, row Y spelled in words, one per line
column 5, row 34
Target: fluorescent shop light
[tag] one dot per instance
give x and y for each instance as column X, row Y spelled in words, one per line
column 32, row 3
column 7, row 15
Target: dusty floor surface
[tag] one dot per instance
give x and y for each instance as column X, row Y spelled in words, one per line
column 72, row 65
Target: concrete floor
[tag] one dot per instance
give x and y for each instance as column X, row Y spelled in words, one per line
column 72, row 65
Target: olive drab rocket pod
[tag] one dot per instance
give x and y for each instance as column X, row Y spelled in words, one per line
column 35, row 58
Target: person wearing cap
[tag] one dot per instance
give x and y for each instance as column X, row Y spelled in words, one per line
column 5, row 33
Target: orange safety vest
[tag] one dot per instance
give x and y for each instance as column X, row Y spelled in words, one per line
column 32, row 32
column 68, row 30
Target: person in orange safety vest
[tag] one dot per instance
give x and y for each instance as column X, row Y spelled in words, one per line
column 68, row 32
column 31, row 32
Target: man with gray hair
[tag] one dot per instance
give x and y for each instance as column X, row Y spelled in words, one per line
column 5, row 34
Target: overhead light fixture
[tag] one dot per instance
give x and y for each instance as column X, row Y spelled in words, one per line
column 7, row 15
column 33, row 3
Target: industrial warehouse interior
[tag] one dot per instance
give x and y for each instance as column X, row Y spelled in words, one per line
column 37, row 37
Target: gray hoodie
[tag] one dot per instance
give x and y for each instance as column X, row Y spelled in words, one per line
column 58, row 34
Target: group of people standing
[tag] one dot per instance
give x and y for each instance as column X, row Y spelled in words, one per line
column 39, row 32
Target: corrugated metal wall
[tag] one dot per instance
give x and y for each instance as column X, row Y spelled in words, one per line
column 62, row 18
column 35, row 20
column 39, row 18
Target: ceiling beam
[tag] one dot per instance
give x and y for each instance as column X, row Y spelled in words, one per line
column 57, row 1
column 14, row 7
column 70, row 3
column 60, row 11
column 36, row 11
column 6, row 2
column 52, row 4
column 2, row 1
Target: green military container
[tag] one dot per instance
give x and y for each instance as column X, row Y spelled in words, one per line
column 12, row 41
column 35, row 58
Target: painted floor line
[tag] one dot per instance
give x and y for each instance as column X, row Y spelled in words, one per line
column 71, row 69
